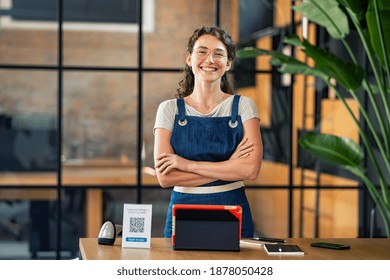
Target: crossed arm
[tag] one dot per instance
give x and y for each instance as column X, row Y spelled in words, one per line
column 174, row 170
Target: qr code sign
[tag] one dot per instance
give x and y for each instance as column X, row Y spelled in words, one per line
column 137, row 225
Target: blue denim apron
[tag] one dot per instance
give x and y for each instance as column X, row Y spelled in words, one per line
column 209, row 139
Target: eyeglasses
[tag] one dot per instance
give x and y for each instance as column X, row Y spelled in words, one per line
column 203, row 54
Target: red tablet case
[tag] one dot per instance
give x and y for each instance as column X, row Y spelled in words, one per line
column 206, row 227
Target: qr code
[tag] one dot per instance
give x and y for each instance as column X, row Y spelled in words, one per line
column 137, row 225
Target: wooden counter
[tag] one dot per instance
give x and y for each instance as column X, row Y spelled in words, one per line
column 161, row 249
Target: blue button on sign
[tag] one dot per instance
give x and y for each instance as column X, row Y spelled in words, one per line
column 136, row 239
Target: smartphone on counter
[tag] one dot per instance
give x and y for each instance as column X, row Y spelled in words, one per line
column 328, row 245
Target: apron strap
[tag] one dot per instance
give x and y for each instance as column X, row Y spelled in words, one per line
column 182, row 111
column 233, row 121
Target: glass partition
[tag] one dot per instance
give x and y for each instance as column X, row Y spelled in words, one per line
column 99, row 128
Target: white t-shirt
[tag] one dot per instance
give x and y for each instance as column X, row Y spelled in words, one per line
column 167, row 110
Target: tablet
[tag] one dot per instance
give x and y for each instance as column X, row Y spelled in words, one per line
column 206, row 227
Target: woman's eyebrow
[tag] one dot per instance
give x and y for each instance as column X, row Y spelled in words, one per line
column 206, row 48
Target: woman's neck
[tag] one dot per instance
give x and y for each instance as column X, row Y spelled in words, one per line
column 207, row 90
column 205, row 97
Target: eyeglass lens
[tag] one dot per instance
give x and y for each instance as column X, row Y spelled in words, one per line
column 216, row 55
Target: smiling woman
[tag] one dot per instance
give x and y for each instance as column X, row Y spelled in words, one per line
column 209, row 63
column 207, row 133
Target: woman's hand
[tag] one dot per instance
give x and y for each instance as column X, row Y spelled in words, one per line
column 243, row 149
column 167, row 162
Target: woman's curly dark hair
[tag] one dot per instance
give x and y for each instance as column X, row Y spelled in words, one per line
column 186, row 86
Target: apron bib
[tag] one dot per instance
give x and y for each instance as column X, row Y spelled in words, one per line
column 211, row 139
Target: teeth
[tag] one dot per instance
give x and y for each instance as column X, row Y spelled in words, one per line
column 208, row 69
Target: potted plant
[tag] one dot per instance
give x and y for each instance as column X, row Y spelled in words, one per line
column 371, row 20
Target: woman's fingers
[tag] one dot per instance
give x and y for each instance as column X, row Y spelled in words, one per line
column 245, row 155
column 162, row 162
column 246, row 150
column 243, row 141
column 166, row 162
column 243, row 149
column 164, row 167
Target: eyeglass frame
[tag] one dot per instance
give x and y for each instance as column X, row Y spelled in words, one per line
column 198, row 54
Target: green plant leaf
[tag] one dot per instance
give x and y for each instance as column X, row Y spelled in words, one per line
column 339, row 150
column 277, row 58
column 348, row 74
column 382, row 27
column 293, row 40
column 328, row 65
column 287, row 64
column 326, row 13
column 358, row 7
column 251, row 52
column 375, row 89
column 301, row 68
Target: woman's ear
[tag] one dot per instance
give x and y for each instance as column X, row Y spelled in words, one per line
column 188, row 59
column 228, row 65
